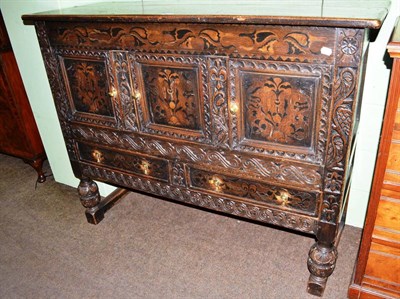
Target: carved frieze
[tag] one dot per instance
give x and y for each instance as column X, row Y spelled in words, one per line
column 268, row 42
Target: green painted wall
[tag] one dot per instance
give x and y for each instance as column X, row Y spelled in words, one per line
column 25, row 45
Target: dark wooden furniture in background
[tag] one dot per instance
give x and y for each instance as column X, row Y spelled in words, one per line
column 19, row 135
column 377, row 272
column 249, row 115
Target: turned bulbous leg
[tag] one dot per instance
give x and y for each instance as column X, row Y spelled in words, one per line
column 90, row 199
column 88, row 193
column 321, row 263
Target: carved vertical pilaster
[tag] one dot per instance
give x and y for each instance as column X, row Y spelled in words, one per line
column 219, row 101
column 345, row 92
column 125, row 89
column 323, row 254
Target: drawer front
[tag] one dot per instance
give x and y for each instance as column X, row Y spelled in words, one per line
column 262, row 193
column 137, row 164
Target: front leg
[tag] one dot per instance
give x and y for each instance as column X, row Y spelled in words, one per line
column 90, row 199
column 322, row 259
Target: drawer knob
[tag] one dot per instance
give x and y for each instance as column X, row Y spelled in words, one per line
column 113, row 92
column 136, row 95
column 217, row 183
column 145, row 166
column 234, row 107
column 283, row 197
column 98, row 156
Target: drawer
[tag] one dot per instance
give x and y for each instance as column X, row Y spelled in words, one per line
column 136, row 164
column 380, row 259
column 388, row 214
column 298, row 175
column 249, row 190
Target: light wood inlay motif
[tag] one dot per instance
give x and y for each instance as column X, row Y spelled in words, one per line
column 279, row 108
column 172, row 96
column 89, row 86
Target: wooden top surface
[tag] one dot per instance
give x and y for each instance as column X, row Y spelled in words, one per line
column 394, row 44
column 333, row 13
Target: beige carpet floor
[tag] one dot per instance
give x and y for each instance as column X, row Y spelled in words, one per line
column 145, row 248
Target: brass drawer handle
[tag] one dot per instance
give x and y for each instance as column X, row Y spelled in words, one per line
column 98, row 156
column 145, row 166
column 283, row 197
column 217, row 183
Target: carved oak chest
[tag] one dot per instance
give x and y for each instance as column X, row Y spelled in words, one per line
column 253, row 116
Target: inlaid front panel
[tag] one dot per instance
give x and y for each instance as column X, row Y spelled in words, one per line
column 278, row 108
column 89, row 87
column 173, row 95
column 88, row 84
column 286, row 198
column 281, row 109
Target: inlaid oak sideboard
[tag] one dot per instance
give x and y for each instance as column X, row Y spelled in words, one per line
column 251, row 115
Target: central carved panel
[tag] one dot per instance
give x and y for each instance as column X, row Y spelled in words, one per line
column 172, row 96
column 278, row 109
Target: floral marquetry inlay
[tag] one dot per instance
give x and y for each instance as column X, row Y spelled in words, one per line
column 88, row 85
column 172, row 96
column 279, row 108
column 275, row 41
